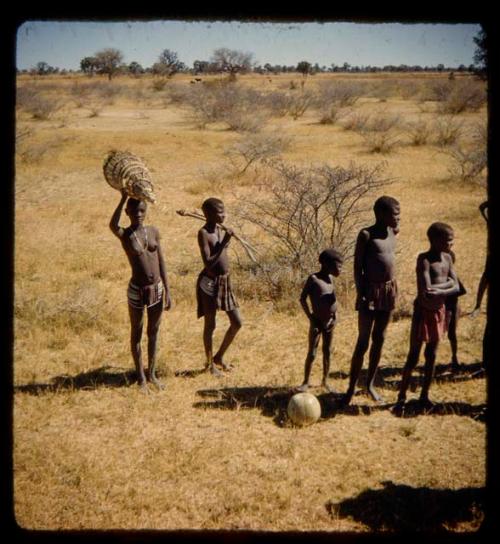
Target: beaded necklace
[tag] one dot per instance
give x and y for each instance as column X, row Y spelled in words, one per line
column 145, row 238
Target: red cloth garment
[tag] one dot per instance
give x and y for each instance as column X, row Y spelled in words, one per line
column 431, row 325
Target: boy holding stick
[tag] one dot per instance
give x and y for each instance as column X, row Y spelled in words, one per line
column 213, row 287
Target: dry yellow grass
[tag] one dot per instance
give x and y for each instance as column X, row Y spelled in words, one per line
column 92, row 452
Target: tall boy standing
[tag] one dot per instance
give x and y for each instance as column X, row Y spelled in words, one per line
column 374, row 275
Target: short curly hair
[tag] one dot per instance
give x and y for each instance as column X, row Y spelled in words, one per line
column 329, row 256
column 438, row 230
column 210, row 204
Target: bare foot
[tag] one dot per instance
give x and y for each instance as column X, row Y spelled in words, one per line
column 154, row 380
column 214, row 370
column 374, row 395
column 143, row 385
column 227, row 367
column 303, row 388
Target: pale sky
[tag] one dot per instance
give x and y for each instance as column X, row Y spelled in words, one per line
column 62, row 44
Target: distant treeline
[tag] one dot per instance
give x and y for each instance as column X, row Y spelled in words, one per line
column 203, row 67
column 223, row 60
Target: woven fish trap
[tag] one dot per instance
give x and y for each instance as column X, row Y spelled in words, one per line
column 124, row 170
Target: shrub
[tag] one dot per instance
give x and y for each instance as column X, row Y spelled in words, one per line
column 355, row 121
column 299, row 103
column 465, row 96
column 438, row 90
column 308, row 208
column 39, row 106
column 332, row 114
column 220, row 101
column 470, row 160
column 447, row 130
column 277, row 103
column 380, row 142
column 255, row 148
column 340, row 93
column 419, row 132
column 158, row 84
column 383, row 90
column 468, row 163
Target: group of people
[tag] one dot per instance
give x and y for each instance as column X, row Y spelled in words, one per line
column 435, row 309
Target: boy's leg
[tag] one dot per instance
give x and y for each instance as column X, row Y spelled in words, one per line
column 155, row 313
column 209, row 312
column 378, row 336
column 136, row 325
column 365, row 323
column 326, row 346
column 235, row 324
column 430, row 359
column 411, row 360
column 452, row 337
column 311, row 354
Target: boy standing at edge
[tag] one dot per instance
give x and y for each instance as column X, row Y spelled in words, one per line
column 374, row 275
column 213, row 287
column 436, row 279
column 319, row 289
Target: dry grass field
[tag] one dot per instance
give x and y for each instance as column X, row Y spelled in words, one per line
column 91, row 451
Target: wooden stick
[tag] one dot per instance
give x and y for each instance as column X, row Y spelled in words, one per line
column 246, row 246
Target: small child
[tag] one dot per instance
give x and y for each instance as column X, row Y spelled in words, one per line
column 319, row 290
column 376, row 286
column 213, row 287
column 436, row 280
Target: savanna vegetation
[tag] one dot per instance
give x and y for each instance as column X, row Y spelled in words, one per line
column 91, row 451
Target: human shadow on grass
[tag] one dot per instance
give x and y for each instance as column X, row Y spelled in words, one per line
column 190, row 373
column 442, row 374
column 106, row 376
column 403, row 508
column 273, row 402
column 414, row 408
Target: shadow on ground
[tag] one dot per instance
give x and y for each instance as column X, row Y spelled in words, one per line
column 405, row 508
column 442, row 374
column 273, row 402
column 106, row 376
column 414, row 408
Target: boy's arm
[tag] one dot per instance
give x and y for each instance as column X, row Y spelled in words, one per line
column 115, row 218
column 423, row 276
column 359, row 256
column 450, row 287
column 211, row 260
column 163, row 271
column 303, row 298
column 483, row 284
